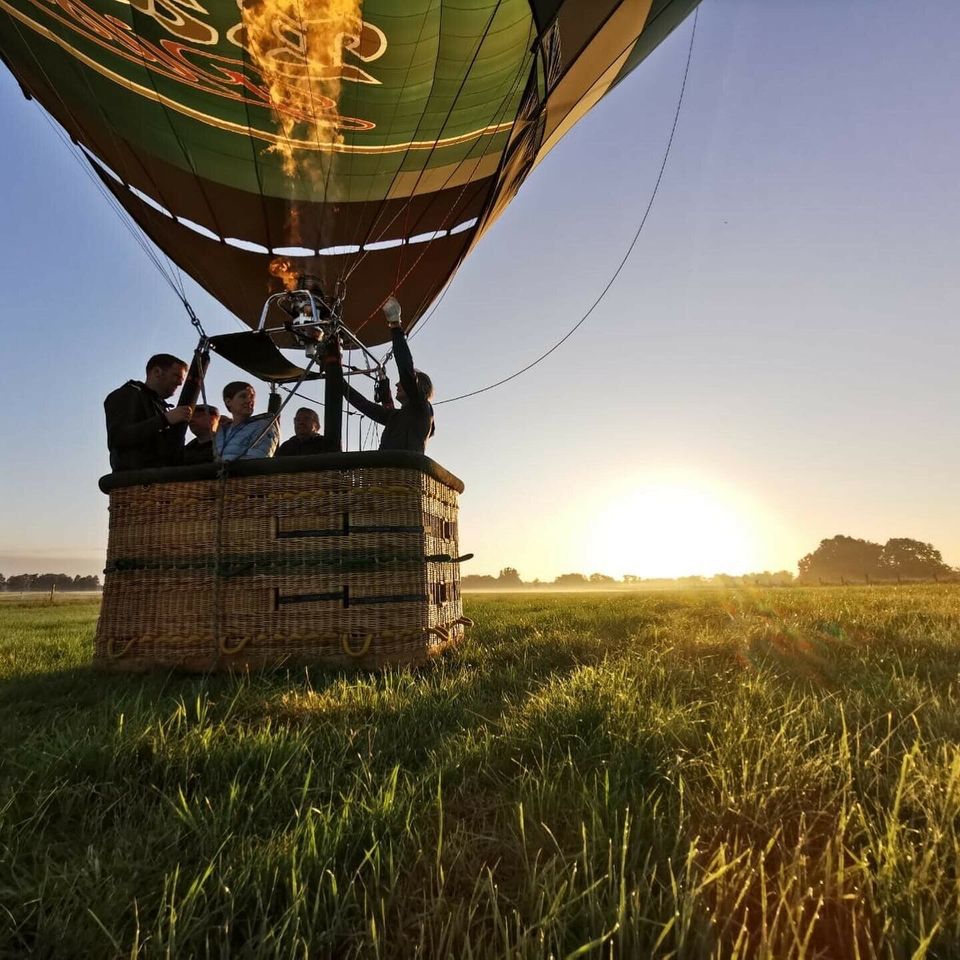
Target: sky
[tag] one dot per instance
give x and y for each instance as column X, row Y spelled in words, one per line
column 777, row 362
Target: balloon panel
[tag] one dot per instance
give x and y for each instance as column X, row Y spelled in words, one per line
column 372, row 142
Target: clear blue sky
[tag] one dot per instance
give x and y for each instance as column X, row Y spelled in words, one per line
column 779, row 359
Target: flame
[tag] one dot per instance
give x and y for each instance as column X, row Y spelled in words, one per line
column 298, row 46
column 283, row 270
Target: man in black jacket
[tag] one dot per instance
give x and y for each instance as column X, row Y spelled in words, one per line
column 139, row 420
column 410, row 426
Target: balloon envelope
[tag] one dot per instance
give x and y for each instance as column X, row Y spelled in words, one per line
column 369, row 143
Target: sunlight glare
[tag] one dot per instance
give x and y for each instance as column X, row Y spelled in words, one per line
column 674, row 528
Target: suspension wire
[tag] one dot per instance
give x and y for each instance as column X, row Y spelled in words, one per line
column 452, row 209
column 331, row 154
column 405, row 208
column 373, row 434
column 422, row 323
column 626, row 256
column 131, row 21
column 499, row 113
column 357, row 235
column 346, row 421
column 129, row 225
column 77, row 152
column 254, row 147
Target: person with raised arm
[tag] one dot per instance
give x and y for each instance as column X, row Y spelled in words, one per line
column 409, row 425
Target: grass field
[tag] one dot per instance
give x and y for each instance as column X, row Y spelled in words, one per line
column 698, row 774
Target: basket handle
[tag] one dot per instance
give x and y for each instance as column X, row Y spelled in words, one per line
column 229, row 651
column 113, row 653
column 347, row 649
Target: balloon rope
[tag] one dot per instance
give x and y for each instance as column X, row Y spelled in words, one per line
column 188, row 160
column 404, row 210
column 77, row 151
column 626, row 256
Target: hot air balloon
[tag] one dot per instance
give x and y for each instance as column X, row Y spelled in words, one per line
column 367, row 145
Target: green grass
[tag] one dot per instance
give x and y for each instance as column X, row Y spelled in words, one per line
column 698, row 774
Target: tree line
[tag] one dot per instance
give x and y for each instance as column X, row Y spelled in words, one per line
column 509, row 579
column 25, row 582
column 844, row 558
column 838, row 559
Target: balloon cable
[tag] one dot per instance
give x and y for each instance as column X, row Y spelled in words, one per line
column 75, row 151
column 610, row 282
column 78, row 153
column 626, row 256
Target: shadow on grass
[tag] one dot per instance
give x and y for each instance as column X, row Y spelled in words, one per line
column 385, row 717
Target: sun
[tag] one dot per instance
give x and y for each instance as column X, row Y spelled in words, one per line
column 673, row 528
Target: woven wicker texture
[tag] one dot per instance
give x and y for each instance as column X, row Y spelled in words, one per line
column 341, row 566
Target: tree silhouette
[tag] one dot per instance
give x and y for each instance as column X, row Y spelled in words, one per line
column 841, row 557
column 903, row 557
column 23, row 582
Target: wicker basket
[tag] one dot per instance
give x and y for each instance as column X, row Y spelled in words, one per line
column 340, row 558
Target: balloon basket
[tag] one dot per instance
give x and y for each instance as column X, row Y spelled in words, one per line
column 340, row 559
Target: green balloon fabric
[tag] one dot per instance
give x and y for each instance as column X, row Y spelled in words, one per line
column 368, row 143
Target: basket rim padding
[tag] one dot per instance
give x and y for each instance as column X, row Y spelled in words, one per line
column 316, row 463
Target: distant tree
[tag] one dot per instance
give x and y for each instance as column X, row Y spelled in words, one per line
column 782, row 578
column 475, row 581
column 51, row 581
column 510, row 576
column 631, row 578
column 3, row 581
column 601, row 578
column 571, row 580
column 693, row 581
column 903, row 557
column 86, row 583
column 842, row 557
